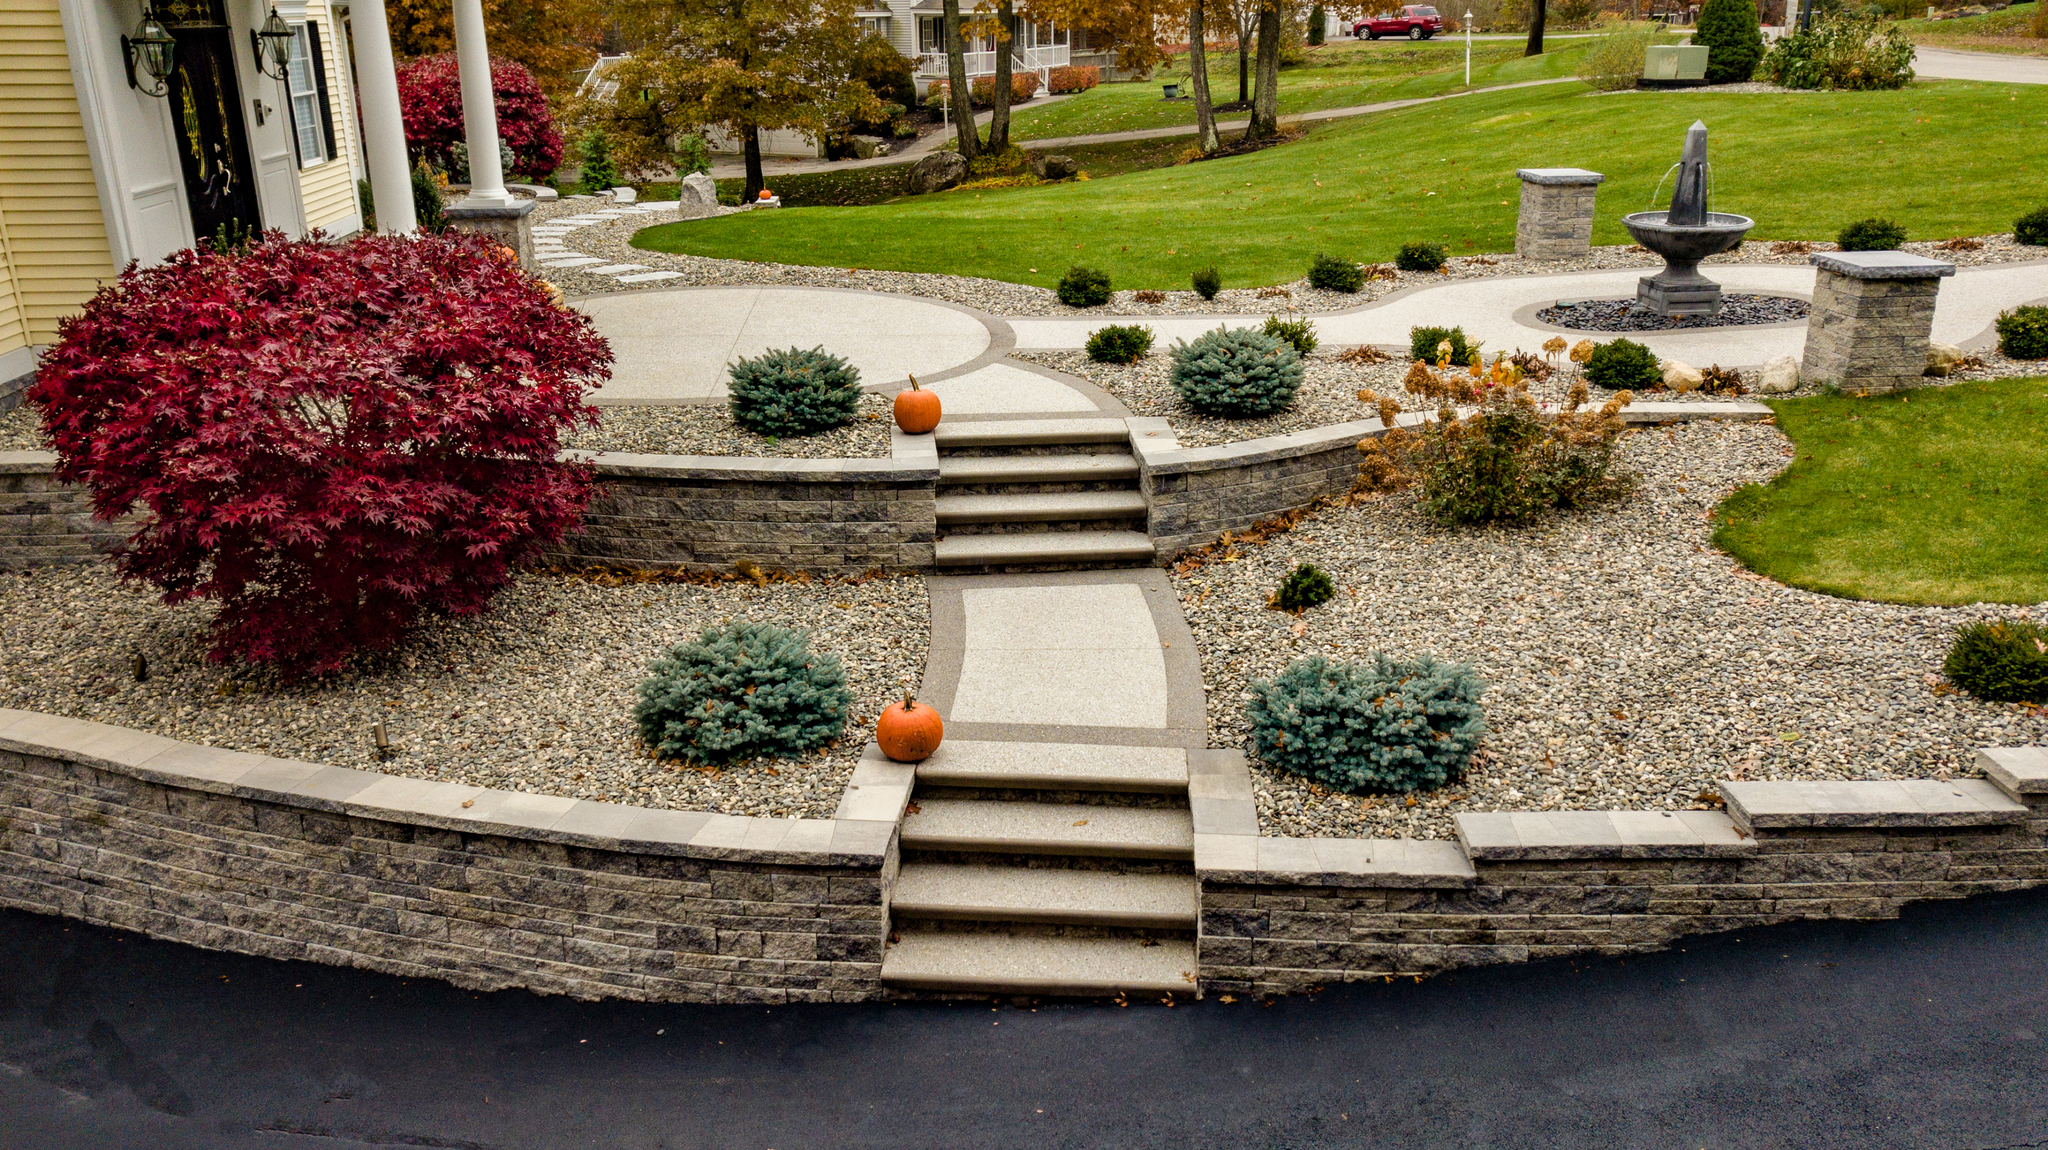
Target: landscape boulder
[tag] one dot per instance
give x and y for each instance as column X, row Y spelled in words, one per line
column 937, row 172
column 1681, row 377
column 1054, row 167
column 1780, row 376
column 868, row 147
column 1942, row 358
column 698, row 190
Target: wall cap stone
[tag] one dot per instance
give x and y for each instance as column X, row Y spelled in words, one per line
column 622, row 464
column 2016, row 770
column 1552, row 835
column 1882, row 265
column 837, row 842
column 1558, row 176
column 1251, row 860
column 27, row 462
column 1902, row 803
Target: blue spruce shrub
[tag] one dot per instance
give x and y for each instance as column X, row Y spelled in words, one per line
column 744, row 691
column 1396, row 725
column 1236, row 373
column 794, row 392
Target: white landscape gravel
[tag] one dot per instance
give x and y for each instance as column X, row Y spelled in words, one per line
column 1631, row 664
column 536, row 695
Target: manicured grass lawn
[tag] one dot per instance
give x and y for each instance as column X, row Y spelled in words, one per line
column 1802, row 165
column 2001, row 31
column 1336, row 76
column 1937, row 497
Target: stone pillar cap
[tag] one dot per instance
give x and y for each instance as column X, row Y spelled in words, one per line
column 1558, row 176
column 467, row 209
column 1882, row 265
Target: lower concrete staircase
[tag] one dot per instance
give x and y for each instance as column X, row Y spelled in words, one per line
column 1046, row 868
column 1039, row 493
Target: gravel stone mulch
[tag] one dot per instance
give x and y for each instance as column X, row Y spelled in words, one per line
column 1631, row 665
column 708, row 429
column 1622, row 315
column 22, row 430
column 535, row 696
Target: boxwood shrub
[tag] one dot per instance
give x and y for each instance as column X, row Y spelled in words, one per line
column 1392, row 725
column 1084, row 287
column 1871, row 235
column 2023, row 332
column 2032, row 228
column 1416, row 256
column 1207, row 282
column 1623, row 365
column 1333, row 274
column 1119, row 343
column 2003, row 661
column 1306, row 586
column 1424, row 341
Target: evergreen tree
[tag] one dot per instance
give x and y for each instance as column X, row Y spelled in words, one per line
column 1728, row 29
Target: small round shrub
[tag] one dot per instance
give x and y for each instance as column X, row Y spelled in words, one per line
column 1423, row 343
column 1332, row 274
column 2005, row 661
column 794, row 392
column 2023, row 332
column 1871, row 235
column 1396, row 725
column 744, row 691
column 1306, row 586
column 430, row 103
column 1623, row 365
column 1236, row 373
column 1084, row 287
column 2032, row 228
column 1297, row 331
column 1416, row 256
column 1207, row 282
column 1119, row 343
column 329, row 439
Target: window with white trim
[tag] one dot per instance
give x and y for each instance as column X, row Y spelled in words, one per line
column 306, row 82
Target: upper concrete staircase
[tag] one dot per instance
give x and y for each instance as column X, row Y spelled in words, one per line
column 1039, row 493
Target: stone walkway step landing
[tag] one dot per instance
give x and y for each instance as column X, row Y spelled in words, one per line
column 987, row 826
column 1046, row 895
column 1039, row 493
column 1040, row 964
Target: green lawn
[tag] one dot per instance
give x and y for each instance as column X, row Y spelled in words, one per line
column 1936, row 497
column 1337, row 76
column 1803, row 165
column 2003, row 31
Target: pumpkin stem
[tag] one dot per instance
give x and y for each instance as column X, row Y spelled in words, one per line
column 908, row 700
column 913, row 384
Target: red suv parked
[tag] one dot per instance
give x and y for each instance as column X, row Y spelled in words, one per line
column 1416, row 21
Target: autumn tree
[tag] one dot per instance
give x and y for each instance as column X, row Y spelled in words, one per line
column 745, row 66
column 1536, row 14
column 1198, row 75
column 1265, row 123
column 956, row 80
column 552, row 39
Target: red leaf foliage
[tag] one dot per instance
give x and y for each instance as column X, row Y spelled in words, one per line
column 430, row 102
column 326, row 438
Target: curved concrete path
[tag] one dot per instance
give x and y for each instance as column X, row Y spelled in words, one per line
column 1499, row 310
column 1988, row 67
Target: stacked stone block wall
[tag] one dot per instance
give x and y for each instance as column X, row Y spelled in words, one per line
column 483, row 911
column 14, row 392
column 1873, row 314
column 1197, row 495
column 1556, row 217
column 44, row 521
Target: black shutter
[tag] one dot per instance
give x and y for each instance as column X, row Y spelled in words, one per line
column 320, row 86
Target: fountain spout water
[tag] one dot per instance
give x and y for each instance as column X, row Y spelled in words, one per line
column 1685, row 235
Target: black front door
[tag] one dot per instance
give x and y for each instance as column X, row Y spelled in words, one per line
column 212, row 146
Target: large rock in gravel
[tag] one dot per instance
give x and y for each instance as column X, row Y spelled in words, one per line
column 1054, row 167
column 698, row 190
column 1779, row 376
column 868, row 147
column 937, row 172
column 1942, row 358
column 1681, row 377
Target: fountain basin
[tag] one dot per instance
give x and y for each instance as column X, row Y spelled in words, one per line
column 1680, row 289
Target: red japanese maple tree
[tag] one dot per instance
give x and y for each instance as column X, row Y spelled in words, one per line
column 430, row 103
column 327, row 438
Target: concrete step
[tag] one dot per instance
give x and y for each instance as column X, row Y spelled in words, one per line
column 1054, row 895
column 1041, row 508
column 1056, row 767
column 996, row 827
column 1030, row 432
column 1038, row 964
column 1036, row 468
column 1034, row 547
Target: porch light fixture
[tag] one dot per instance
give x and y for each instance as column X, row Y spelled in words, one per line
column 153, row 45
column 272, row 44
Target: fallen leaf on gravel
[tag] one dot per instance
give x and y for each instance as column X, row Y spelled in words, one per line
column 1081, row 823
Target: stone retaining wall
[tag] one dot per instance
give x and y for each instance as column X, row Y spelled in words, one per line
column 1283, row 914
column 486, row 889
column 44, row 521
column 14, row 392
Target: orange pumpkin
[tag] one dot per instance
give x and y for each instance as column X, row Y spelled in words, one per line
column 917, row 410
column 909, row 733
column 766, row 194
column 507, row 255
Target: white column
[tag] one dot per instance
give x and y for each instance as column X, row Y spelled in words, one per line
column 479, row 106
column 383, row 126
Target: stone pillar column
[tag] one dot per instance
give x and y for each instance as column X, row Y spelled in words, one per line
column 479, row 106
column 1873, row 313
column 382, row 125
column 1556, row 222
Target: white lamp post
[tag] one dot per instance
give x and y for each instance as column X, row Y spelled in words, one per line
column 1468, row 47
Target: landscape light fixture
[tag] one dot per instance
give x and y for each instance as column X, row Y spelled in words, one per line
column 153, row 45
column 1468, row 47
column 272, row 44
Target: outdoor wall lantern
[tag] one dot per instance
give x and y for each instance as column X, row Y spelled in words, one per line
column 272, row 44
column 152, row 44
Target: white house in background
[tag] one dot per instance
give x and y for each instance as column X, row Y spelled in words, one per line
column 601, row 83
column 102, row 162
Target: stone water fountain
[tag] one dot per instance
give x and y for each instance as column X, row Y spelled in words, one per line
column 1684, row 236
